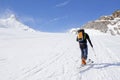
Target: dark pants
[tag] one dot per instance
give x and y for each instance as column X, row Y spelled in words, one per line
column 84, row 50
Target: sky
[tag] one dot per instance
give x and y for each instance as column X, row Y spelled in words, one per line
column 57, row 15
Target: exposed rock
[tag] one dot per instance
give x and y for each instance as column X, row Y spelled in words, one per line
column 102, row 26
column 116, row 14
column 118, row 32
column 115, row 28
column 112, row 33
column 119, row 27
column 106, row 18
column 102, row 23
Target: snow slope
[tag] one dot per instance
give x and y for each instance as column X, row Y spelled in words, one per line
column 114, row 27
column 56, row 56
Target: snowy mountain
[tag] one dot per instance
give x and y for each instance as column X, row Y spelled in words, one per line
column 26, row 54
column 13, row 23
column 107, row 24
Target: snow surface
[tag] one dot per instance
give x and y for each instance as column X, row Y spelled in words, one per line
column 56, row 56
column 114, row 26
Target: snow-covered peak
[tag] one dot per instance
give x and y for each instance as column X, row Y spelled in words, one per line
column 12, row 16
column 13, row 23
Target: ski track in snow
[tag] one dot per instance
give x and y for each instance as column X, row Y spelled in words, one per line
column 65, row 60
column 105, row 64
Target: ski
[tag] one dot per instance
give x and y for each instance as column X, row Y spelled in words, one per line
column 87, row 63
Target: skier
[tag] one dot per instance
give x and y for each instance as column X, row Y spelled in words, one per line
column 82, row 38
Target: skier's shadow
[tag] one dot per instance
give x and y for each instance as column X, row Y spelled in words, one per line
column 99, row 66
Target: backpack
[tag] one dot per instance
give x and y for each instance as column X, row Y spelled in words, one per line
column 81, row 36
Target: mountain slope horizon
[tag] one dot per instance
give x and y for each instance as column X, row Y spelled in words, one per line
column 12, row 22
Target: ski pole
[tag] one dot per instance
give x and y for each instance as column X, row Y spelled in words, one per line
column 94, row 51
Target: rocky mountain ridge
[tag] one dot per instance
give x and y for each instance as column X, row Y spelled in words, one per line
column 107, row 24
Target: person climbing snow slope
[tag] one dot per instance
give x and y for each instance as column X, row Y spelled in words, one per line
column 82, row 38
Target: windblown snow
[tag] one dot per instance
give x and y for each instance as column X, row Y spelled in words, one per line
column 56, row 56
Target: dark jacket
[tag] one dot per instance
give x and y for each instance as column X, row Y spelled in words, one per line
column 83, row 44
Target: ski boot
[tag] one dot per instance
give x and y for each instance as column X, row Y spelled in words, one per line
column 83, row 61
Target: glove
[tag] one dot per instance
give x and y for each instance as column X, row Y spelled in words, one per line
column 92, row 46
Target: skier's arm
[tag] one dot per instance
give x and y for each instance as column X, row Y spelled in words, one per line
column 89, row 41
column 77, row 39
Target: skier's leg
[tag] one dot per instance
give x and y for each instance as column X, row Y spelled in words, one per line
column 82, row 53
column 83, row 60
column 85, row 53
